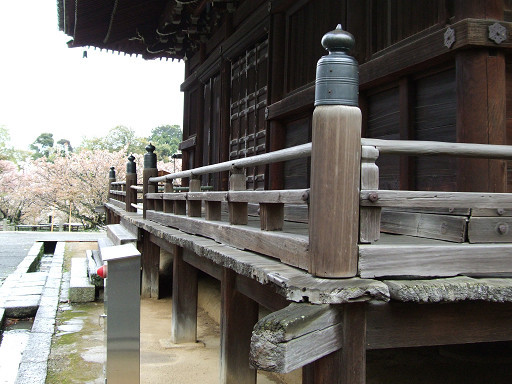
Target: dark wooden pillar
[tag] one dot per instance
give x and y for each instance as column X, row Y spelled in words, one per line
column 348, row 365
column 481, row 101
column 238, row 316
column 184, row 299
column 150, row 267
column 481, row 116
column 276, row 132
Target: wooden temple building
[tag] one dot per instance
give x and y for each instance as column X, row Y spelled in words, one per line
column 381, row 218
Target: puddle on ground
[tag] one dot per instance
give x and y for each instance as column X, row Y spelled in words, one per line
column 13, row 341
column 70, row 326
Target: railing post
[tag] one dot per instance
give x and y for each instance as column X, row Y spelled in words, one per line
column 369, row 217
column 150, row 170
column 335, row 161
column 237, row 211
column 194, row 206
column 111, row 179
column 131, row 179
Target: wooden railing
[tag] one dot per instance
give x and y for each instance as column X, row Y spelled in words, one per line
column 255, row 220
column 226, row 215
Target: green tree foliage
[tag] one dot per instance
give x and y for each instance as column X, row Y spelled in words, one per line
column 64, row 147
column 42, row 146
column 166, row 139
column 7, row 152
column 4, row 142
column 119, row 138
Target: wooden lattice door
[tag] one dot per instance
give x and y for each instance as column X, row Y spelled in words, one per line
column 248, row 102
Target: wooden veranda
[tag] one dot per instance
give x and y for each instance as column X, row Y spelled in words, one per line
column 382, row 222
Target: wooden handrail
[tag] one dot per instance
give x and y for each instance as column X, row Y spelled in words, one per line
column 439, row 148
column 392, row 147
column 292, row 153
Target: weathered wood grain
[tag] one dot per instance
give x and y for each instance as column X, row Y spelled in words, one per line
column 438, row 210
column 213, row 210
column 239, row 314
column 271, row 217
column 490, row 230
column 174, row 196
column 184, row 300
column 441, row 227
column 238, row 214
column 194, row 206
column 289, row 248
column 397, row 325
column 491, row 212
column 291, row 283
column 207, row 196
column 434, row 260
column 437, row 148
column 296, row 152
column 148, row 187
column 295, row 336
column 412, row 199
column 334, row 207
column 369, row 217
column 294, row 196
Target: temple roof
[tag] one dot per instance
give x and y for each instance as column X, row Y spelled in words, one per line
column 151, row 28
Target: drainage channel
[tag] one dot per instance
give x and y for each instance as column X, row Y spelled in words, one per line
column 18, row 322
column 13, row 340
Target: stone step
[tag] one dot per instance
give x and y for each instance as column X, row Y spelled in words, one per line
column 80, row 289
column 120, row 235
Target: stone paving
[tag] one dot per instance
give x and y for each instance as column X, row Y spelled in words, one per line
column 25, row 293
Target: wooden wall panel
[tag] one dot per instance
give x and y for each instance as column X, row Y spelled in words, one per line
column 509, row 119
column 297, row 172
column 435, row 120
column 306, row 23
column 383, row 122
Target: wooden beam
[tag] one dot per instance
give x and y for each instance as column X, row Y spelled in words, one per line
column 427, row 199
column 406, row 57
column 238, row 316
column 289, row 248
column 295, row 336
column 490, row 230
column 439, row 259
column 397, row 325
column 431, row 226
column 184, row 299
column 264, row 294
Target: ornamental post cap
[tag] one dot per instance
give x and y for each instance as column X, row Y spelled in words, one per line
column 150, row 148
column 150, row 157
column 337, row 74
column 338, row 40
column 131, row 167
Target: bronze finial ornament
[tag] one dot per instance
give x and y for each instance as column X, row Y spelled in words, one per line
column 337, row 74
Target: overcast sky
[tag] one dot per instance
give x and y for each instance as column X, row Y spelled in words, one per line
column 47, row 87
